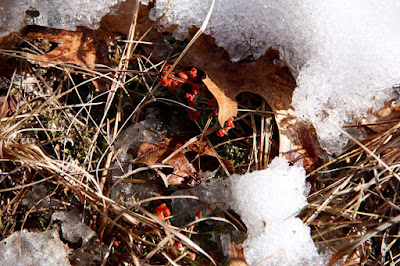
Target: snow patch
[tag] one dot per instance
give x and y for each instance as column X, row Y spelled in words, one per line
column 344, row 53
column 267, row 202
column 52, row 13
column 44, row 249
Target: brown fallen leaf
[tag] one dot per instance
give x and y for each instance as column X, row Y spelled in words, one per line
column 184, row 173
column 383, row 120
column 79, row 47
column 119, row 21
column 267, row 77
column 236, row 255
column 152, row 154
column 226, row 106
column 84, row 47
column 8, row 105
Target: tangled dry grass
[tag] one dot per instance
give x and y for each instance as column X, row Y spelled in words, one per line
column 55, row 132
column 57, row 153
column 355, row 208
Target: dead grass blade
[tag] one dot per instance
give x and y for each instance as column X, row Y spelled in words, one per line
column 356, row 243
column 357, row 199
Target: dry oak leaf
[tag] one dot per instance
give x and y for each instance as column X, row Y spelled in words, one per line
column 8, row 105
column 226, row 106
column 119, row 21
column 236, row 255
column 267, row 77
column 184, row 173
column 79, row 47
column 154, row 153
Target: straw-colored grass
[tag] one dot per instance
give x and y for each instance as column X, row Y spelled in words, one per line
column 354, row 208
column 62, row 134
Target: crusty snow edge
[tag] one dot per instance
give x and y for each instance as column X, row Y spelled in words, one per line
column 268, row 202
column 344, row 53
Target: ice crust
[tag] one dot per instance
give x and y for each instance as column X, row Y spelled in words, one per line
column 45, row 249
column 344, row 53
column 267, row 202
column 73, row 229
column 52, row 13
column 76, row 232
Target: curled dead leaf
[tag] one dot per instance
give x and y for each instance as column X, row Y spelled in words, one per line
column 79, row 47
column 155, row 153
column 267, row 77
column 236, row 255
column 227, row 107
column 8, row 105
column 183, row 171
